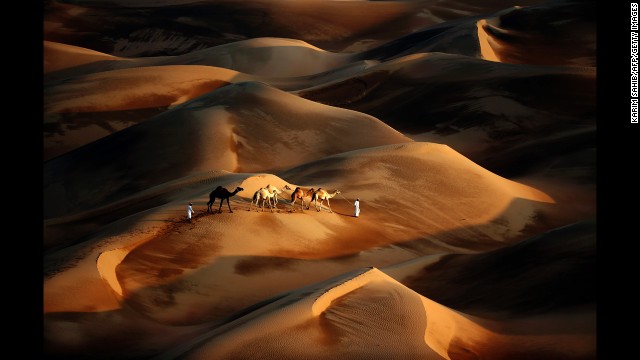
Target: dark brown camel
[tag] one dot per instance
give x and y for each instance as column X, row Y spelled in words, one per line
column 298, row 193
column 221, row 193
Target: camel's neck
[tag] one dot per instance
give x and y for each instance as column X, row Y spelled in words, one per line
column 234, row 192
column 332, row 195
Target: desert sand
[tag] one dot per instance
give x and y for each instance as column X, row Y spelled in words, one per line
column 473, row 159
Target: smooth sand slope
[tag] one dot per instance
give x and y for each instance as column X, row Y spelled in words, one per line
column 59, row 56
column 126, row 89
column 485, row 110
column 548, row 273
column 245, row 127
column 83, row 109
column 271, row 57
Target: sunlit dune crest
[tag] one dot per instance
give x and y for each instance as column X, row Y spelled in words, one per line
column 61, row 56
column 487, row 43
column 137, row 88
column 272, row 57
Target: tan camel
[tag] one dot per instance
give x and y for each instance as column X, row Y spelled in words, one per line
column 265, row 194
column 298, row 193
column 221, row 193
column 323, row 195
column 274, row 190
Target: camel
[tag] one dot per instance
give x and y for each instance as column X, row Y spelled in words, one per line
column 221, row 193
column 323, row 195
column 274, row 190
column 266, row 194
column 298, row 193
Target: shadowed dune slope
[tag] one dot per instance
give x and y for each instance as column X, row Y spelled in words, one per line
column 483, row 109
column 550, row 272
column 83, row 109
column 553, row 33
column 244, row 127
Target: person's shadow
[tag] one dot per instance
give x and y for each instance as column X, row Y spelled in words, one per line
column 342, row 214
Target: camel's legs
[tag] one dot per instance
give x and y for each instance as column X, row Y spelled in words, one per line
column 229, row 205
column 329, row 205
column 210, row 203
column 220, row 208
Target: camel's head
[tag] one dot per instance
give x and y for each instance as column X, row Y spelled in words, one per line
column 286, row 187
column 239, row 189
column 337, row 191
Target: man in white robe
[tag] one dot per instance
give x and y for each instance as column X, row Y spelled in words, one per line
column 190, row 211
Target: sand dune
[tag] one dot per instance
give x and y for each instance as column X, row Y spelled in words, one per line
column 61, row 56
column 520, row 35
column 366, row 314
column 492, row 115
column 437, row 194
column 84, row 109
column 147, row 28
column 266, row 246
column 548, row 273
column 514, row 34
column 483, row 109
column 64, row 231
column 273, row 252
column 337, row 315
column 141, row 88
column 272, row 57
column 246, row 127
